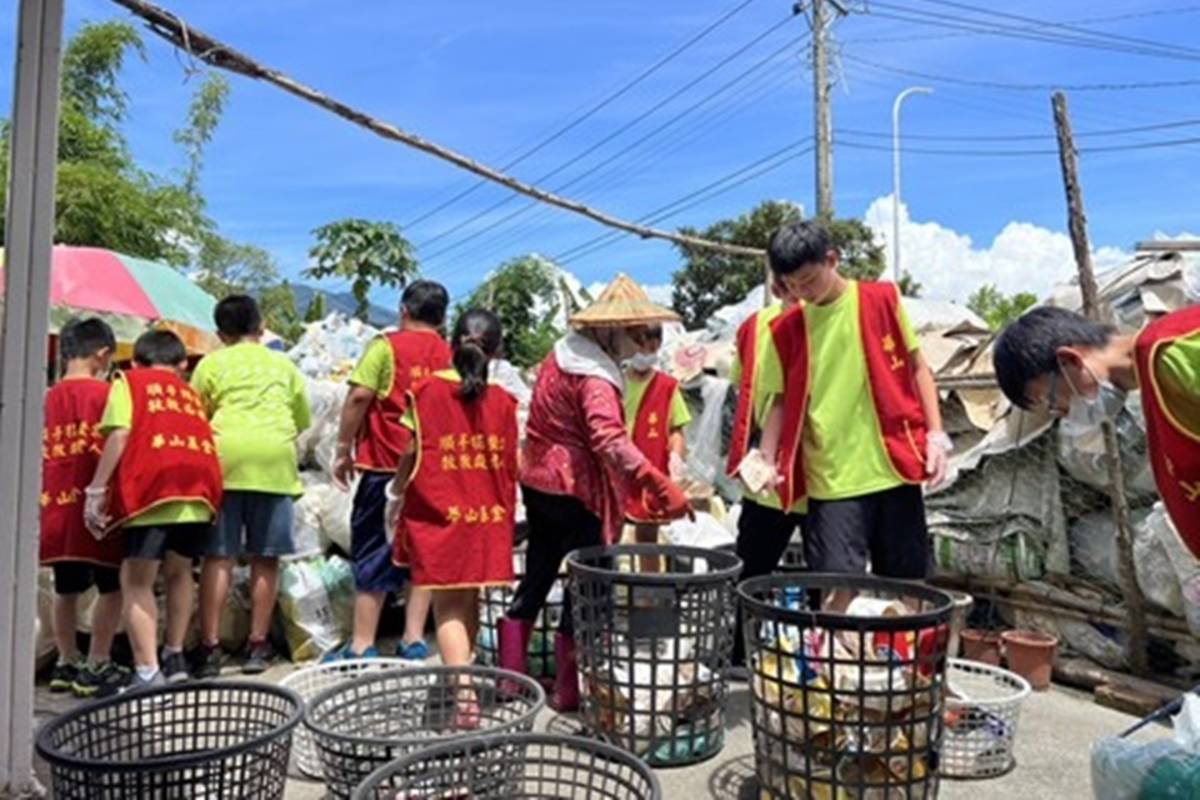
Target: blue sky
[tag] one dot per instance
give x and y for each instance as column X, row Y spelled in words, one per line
column 491, row 79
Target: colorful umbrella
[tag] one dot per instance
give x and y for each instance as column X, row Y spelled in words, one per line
column 130, row 293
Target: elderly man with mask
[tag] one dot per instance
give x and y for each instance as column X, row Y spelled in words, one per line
column 579, row 465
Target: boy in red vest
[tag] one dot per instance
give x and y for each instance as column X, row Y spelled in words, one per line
column 455, row 492
column 71, row 444
column 1056, row 359
column 858, row 429
column 655, row 416
column 159, row 482
column 371, row 440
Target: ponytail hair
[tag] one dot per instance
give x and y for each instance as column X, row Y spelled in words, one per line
column 476, row 340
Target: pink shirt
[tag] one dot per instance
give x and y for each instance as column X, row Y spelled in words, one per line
column 576, row 444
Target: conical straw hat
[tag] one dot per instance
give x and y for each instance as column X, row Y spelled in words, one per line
column 621, row 304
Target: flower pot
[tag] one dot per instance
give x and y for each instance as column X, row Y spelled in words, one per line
column 980, row 645
column 1031, row 654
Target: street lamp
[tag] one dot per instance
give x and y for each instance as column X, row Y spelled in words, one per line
column 896, row 174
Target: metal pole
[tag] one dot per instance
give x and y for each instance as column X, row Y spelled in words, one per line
column 896, row 174
column 28, row 238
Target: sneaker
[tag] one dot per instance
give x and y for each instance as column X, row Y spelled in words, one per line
column 174, row 667
column 413, row 651
column 207, row 662
column 139, row 684
column 259, row 656
column 344, row 653
column 101, row 680
column 64, row 675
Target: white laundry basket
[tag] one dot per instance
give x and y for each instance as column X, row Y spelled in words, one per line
column 982, row 706
column 311, row 681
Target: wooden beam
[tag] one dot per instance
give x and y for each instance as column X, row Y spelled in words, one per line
column 203, row 47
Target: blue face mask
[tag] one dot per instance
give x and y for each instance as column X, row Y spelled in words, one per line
column 1091, row 411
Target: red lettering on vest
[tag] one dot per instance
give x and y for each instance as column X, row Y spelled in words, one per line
column 415, row 356
column 456, row 528
column 170, row 455
column 890, row 380
column 1174, row 450
column 71, row 446
column 651, row 434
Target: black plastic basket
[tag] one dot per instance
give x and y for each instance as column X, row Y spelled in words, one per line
column 653, row 648
column 365, row 723
column 845, row 704
column 526, row 765
column 198, row 740
column 494, row 602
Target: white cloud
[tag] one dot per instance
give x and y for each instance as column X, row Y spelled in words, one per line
column 1022, row 258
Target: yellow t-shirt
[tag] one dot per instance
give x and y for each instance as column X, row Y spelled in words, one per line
column 118, row 413
column 635, row 390
column 258, row 405
column 768, row 383
column 1178, row 371
column 842, row 445
column 375, row 368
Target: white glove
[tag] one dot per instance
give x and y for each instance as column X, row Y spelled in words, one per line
column 391, row 512
column 676, row 468
column 938, row 447
column 95, row 511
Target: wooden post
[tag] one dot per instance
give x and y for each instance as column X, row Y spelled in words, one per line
column 1135, row 646
column 823, row 127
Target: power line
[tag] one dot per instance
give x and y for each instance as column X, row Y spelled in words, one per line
column 1111, row 148
column 982, row 26
column 1066, row 26
column 622, row 129
column 610, row 159
column 1163, row 12
column 1161, row 126
column 591, row 112
column 1025, row 87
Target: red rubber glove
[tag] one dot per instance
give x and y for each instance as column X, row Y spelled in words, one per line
column 663, row 498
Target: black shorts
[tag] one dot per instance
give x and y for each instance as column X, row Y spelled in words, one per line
column 885, row 528
column 76, row 577
column 154, row 541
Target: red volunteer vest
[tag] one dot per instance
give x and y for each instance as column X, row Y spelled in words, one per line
column 71, row 445
column 171, row 455
column 651, row 434
column 456, row 528
column 1174, row 450
column 889, row 379
column 749, row 335
column 415, row 356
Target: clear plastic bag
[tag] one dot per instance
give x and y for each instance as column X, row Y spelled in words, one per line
column 1164, row 769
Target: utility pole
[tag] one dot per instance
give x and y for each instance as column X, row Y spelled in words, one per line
column 1136, row 653
column 823, row 133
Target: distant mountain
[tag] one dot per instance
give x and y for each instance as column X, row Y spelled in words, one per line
column 343, row 303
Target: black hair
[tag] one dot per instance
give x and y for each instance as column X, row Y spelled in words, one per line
column 237, row 316
column 83, row 338
column 426, row 301
column 800, row 244
column 476, row 341
column 159, row 349
column 1028, row 348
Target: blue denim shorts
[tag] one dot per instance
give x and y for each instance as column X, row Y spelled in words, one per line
column 252, row 524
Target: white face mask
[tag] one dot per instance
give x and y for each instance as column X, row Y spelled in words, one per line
column 643, row 362
column 1091, row 411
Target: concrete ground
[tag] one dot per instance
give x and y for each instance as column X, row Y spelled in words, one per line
column 1055, row 733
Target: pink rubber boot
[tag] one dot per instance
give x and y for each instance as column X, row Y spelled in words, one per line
column 513, row 635
column 566, row 675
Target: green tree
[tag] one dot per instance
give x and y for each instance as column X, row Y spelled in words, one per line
column 998, row 309
column 909, row 286
column 527, row 296
column 707, row 280
column 365, row 253
column 224, row 267
column 278, row 306
column 204, row 114
column 316, row 308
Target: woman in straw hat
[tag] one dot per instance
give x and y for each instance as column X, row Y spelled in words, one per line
column 580, row 466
